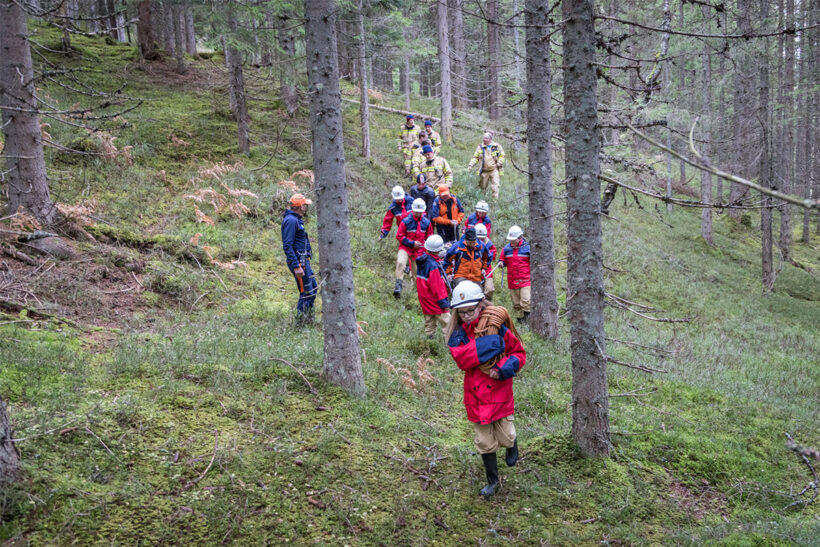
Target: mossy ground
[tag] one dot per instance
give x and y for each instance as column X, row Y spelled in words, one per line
column 118, row 437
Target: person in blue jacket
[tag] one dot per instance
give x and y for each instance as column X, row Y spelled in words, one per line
column 296, row 245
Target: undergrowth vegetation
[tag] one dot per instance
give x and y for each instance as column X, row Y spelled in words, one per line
column 203, row 419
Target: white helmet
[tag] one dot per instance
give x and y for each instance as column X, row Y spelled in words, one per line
column 514, row 233
column 480, row 230
column 434, row 243
column 398, row 192
column 419, row 205
column 465, row 294
column 482, row 207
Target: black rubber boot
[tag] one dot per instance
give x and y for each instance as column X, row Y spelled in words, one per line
column 397, row 288
column 491, row 466
column 511, row 457
column 524, row 318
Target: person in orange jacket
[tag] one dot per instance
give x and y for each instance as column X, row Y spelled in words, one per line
column 468, row 259
column 447, row 213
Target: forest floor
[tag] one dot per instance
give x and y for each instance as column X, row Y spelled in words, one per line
column 168, row 397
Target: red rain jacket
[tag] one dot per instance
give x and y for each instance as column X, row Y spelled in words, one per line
column 517, row 262
column 411, row 230
column 486, row 399
column 430, row 286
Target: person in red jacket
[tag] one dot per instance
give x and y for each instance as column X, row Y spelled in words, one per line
column 516, row 258
column 413, row 231
column 485, row 345
column 398, row 209
column 431, row 286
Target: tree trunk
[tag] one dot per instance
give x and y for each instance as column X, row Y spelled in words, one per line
column 111, row 12
column 742, row 118
column 94, row 23
column 787, row 161
column 706, row 105
column 122, row 26
column 459, row 70
column 667, row 88
column 722, row 125
column 585, row 284
column 179, row 34
column 805, row 119
column 237, row 85
column 442, row 21
column 9, row 457
column 158, row 25
column 494, row 60
column 765, row 160
column 287, row 76
column 615, row 133
column 404, row 80
column 145, row 33
column 25, row 163
column 363, row 104
column 170, row 35
column 342, row 360
column 683, row 93
column 544, row 310
column 517, row 48
column 190, row 32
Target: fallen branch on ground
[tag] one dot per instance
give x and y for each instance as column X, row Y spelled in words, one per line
column 804, row 454
column 310, row 386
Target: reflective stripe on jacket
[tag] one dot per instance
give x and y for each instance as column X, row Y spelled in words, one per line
column 437, row 172
column 408, row 136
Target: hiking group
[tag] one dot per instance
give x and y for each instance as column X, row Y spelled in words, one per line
column 451, row 258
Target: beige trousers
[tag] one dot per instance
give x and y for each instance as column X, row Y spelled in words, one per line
column 492, row 179
column 489, row 288
column 488, row 437
column 521, row 299
column 430, row 322
column 401, row 262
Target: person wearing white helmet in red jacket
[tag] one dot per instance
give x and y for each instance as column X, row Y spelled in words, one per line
column 413, row 231
column 516, row 258
column 485, row 345
column 431, row 286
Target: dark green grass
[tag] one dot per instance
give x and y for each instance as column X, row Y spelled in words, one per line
column 697, row 458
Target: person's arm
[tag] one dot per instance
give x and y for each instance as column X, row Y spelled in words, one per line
column 288, row 238
column 476, row 157
column 439, row 289
column 459, row 211
column 500, row 158
column 439, row 218
column 448, row 174
column 387, row 224
column 471, row 353
column 514, row 355
column 401, row 235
